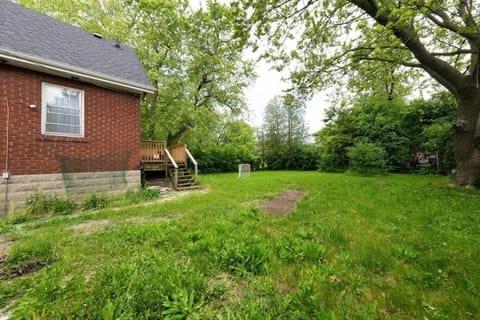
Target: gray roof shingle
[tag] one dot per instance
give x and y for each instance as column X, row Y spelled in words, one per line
column 30, row 33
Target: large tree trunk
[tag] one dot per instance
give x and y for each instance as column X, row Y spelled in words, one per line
column 467, row 135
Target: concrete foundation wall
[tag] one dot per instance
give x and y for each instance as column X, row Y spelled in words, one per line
column 74, row 186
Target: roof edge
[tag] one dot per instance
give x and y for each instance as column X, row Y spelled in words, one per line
column 51, row 67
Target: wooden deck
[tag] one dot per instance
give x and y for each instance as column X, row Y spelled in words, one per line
column 153, row 155
column 174, row 160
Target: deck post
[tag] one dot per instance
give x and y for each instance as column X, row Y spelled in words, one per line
column 194, row 162
column 175, row 166
column 175, row 179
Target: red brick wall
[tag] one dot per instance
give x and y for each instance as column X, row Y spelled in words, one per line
column 111, row 139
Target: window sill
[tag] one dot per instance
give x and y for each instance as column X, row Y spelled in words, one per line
column 61, row 139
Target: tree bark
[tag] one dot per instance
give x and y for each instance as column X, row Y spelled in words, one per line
column 467, row 135
column 464, row 87
column 172, row 137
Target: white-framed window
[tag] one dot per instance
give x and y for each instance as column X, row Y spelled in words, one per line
column 62, row 110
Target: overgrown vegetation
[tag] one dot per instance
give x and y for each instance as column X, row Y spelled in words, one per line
column 381, row 247
column 224, row 158
column 366, row 158
column 27, row 256
column 415, row 136
column 41, row 205
column 282, row 143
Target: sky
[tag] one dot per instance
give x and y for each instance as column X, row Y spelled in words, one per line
column 268, row 84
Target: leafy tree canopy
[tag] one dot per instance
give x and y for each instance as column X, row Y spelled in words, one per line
column 408, row 134
column 190, row 56
column 332, row 38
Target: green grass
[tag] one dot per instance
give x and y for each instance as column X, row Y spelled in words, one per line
column 385, row 247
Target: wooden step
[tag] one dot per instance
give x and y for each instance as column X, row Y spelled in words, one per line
column 185, row 180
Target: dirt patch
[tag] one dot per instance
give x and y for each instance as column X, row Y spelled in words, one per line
column 150, row 219
column 4, row 246
column 233, row 290
column 25, row 268
column 5, row 316
column 284, row 203
column 91, row 226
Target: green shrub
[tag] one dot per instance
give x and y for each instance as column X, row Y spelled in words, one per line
column 94, row 202
column 366, row 158
column 293, row 157
column 6, row 226
column 333, row 152
column 39, row 204
column 147, row 194
column 61, row 206
column 134, row 197
column 224, row 158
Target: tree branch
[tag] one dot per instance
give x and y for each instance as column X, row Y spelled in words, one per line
column 448, row 24
column 440, row 70
column 454, row 53
column 403, row 63
column 466, row 14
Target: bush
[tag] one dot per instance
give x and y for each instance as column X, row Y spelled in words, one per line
column 94, row 202
column 333, row 153
column 366, row 158
column 224, row 158
column 62, row 206
column 39, row 204
column 142, row 195
column 293, row 157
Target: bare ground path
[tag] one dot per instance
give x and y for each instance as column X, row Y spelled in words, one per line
column 284, row 203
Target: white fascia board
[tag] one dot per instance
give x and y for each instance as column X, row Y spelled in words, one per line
column 55, row 68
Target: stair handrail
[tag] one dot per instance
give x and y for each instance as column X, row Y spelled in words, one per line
column 175, row 165
column 194, row 162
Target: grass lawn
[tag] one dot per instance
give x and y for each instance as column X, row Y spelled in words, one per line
column 386, row 247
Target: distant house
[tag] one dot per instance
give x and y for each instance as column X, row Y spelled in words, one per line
column 69, row 109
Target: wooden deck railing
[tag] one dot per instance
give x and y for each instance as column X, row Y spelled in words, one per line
column 178, row 152
column 157, row 157
column 174, row 175
column 195, row 164
column 153, row 151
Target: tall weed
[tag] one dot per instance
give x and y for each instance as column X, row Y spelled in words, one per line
column 148, row 285
column 39, row 204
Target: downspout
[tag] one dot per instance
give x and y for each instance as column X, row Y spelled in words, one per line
column 6, row 174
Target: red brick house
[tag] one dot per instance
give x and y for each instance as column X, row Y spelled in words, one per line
column 69, row 109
